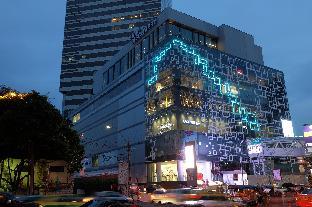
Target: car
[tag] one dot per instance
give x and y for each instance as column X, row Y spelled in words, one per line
column 9, row 200
column 243, row 193
column 179, row 195
column 304, row 199
column 106, row 201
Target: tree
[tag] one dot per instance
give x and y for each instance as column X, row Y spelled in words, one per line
column 33, row 129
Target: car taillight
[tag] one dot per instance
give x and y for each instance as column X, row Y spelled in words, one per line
column 194, row 196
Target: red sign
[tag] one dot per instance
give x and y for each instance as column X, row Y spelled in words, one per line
column 200, row 176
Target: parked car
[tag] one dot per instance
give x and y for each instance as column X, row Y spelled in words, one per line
column 9, row 200
column 304, row 199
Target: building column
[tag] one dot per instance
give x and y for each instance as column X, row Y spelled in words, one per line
column 158, row 171
column 180, row 170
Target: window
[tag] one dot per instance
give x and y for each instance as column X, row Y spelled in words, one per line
column 95, row 160
column 76, row 118
column 166, row 99
column 162, row 32
column 151, row 37
column 201, row 39
column 115, row 28
column 191, row 82
column 145, row 46
column 131, row 58
column 111, row 74
column 56, row 169
column 207, row 41
column 105, row 78
column 151, row 107
column 155, row 37
column 173, row 29
column 117, row 70
column 214, row 42
column 115, row 19
column 165, row 80
column 235, row 176
column 186, row 34
column 138, row 50
column 195, row 37
column 124, row 64
column 190, row 100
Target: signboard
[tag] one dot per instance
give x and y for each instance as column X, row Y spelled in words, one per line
column 136, row 35
column 288, row 129
column 307, row 133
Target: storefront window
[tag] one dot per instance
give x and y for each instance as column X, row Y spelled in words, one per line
column 164, row 124
column 169, row 171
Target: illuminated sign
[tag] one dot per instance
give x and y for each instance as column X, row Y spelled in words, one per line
column 254, row 149
column 142, row 31
column 288, row 129
column 191, row 122
column 307, row 131
column 189, row 156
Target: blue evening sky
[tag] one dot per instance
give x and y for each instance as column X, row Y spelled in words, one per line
column 31, row 35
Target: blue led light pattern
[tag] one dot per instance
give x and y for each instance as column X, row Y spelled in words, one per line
column 248, row 118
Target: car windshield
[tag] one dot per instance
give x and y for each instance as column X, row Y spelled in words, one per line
column 307, row 191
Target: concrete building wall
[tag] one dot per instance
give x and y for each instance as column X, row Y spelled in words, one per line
column 238, row 43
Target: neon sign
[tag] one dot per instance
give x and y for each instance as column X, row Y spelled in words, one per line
column 248, row 118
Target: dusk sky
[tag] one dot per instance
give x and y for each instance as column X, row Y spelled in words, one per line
column 31, row 35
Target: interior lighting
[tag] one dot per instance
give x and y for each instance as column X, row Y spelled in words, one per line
column 108, row 127
column 225, row 88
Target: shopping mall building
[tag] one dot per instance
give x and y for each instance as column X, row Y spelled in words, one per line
column 180, row 98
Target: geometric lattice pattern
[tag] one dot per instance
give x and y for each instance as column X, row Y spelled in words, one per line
column 247, row 117
column 239, row 99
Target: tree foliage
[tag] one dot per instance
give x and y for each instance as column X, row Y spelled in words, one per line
column 31, row 126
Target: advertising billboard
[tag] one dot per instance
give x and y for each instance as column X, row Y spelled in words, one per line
column 288, row 129
column 307, row 133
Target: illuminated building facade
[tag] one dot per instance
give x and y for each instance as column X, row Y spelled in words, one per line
column 186, row 95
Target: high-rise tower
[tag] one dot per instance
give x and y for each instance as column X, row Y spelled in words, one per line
column 95, row 30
